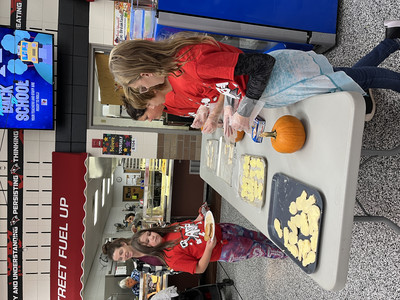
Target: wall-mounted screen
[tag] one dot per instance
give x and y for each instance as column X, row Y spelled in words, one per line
column 26, row 79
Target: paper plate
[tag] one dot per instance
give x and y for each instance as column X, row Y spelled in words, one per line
column 209, row 218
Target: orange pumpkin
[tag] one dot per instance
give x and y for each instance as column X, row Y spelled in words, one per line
column 287, row 135
column 239, row 136
column 235, row 137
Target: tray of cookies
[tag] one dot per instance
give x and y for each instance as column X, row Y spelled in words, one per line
column 294, row 221
column 252, row 176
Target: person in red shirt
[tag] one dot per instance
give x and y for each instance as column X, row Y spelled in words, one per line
column 167, row 104
column 181, row 246
column 199, row 69
column 196, row 69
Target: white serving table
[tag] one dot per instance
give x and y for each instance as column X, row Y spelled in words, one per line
column 329, row 161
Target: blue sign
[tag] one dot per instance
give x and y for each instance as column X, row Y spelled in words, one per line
column 26, row 79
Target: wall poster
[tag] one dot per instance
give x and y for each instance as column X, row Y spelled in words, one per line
column 117, row 144
column 26, row 79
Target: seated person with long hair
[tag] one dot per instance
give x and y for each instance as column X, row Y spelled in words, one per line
column 182, row 246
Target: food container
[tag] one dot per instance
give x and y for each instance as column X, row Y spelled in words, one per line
column 252, row 177
column 212, row 154
column 226, row 161
column 284, row 191
column 257, row 128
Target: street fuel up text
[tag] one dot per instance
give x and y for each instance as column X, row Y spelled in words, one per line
column 62, row 250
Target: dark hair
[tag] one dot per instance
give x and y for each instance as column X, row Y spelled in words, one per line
column 129, row 215
column 109, row 247
column 134, row 113
column 137, row 100
column 158, row 251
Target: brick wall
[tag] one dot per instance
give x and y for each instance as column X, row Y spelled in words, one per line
column 179, row 146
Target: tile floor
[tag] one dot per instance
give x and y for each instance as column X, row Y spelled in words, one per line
column 374, row 267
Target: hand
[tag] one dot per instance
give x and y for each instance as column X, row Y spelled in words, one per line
column 211, row 124
column 228, row 114
column 202, row 264
column 204, row 208
column 199, row 218
column 133, row 229
column 240, row 123
column 211, row 243
column 201, row 117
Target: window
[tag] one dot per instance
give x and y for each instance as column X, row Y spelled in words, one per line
column 103, row 192
column 96, row 206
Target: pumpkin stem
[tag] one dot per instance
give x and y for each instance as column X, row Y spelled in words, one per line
column 269, row 134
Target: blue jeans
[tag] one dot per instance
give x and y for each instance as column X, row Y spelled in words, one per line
column 366, row 72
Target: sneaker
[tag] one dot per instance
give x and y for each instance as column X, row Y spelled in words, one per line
column 370, row 105
column 392, row 29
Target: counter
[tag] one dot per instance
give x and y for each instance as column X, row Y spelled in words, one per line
column 153, row 213
column 156, row 214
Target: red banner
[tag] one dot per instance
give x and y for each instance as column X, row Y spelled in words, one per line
column 68, row 225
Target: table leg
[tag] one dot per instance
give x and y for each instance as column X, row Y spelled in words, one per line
column 368, row 152
column 388, row 222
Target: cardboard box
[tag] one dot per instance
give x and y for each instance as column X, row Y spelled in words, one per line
column 257, row 128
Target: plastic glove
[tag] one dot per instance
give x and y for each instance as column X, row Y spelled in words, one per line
column 256, row 110
column 211, row 124
column 240, row 123
column 201, row 117
column 204, row 209
column 202, row 212
column 228, row 114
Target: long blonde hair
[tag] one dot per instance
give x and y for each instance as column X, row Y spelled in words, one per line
column 131, row 58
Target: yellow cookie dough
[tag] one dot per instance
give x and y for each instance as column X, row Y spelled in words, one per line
column 304, row 227
column 300, row 200
column 278, row 229
column 293, row 249
column 305, row 217
column 293, row 208
column 293, row 227
column 252, row 179
column 292, row 238
column 309, row 259
column 286, row 236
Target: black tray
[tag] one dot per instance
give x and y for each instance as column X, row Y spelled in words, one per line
column 284, row 190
